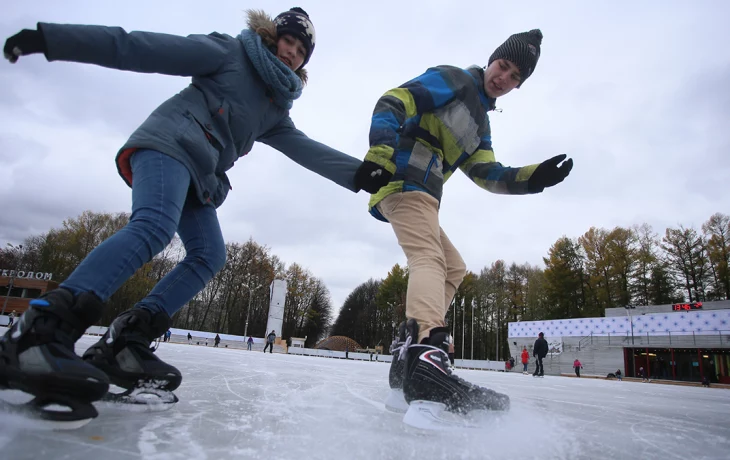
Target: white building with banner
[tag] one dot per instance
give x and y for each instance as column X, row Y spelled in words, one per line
column 679, row 341
column 277, row 294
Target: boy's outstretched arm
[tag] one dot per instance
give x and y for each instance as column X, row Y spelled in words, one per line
column 486, row 172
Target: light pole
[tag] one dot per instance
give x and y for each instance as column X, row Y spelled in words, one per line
column 12, row 277
column 631, row 320
column 463, row 313
column 453, row 323
column 248, row 311
column 392, row 306
column 393, row 309
column 472, row 330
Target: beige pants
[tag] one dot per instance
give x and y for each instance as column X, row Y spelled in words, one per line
column 435, row 267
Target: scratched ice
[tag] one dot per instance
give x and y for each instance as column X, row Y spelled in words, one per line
column 240, row 404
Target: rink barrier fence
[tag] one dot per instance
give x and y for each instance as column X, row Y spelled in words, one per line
column 459, row 363
column 207, row 339
column 239, row 342
column 101, row 330
column 338, row 354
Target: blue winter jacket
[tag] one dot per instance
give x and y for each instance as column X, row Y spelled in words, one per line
column 212, row 122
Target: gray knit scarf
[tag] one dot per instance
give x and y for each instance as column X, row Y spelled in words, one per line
column 284, row 83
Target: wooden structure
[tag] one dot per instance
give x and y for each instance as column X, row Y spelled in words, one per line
column 338, row 343
column 22, row 292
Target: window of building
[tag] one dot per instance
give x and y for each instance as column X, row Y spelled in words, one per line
column 29, row 293
column 14, row 292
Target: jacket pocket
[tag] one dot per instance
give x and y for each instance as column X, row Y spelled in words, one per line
column 200, row 143
column 389, row 204
column 222, row 189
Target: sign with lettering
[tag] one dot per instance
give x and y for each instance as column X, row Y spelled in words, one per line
column 27, row 275
column 687, row 306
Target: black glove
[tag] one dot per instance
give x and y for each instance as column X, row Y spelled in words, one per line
column 549, row 174
column 371, row 176
column 23, row 43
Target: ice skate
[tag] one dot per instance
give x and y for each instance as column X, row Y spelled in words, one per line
column 37, row 357
column 437, row 398
column 396, row 402
column 124, row 354
column 539, row 371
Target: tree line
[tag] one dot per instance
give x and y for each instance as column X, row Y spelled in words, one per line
column 582, row 277
column 222, row 307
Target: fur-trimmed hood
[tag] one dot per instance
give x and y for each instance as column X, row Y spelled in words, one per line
column 260, row 19
column 263, row 24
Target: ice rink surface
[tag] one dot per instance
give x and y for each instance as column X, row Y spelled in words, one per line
column 237, row 404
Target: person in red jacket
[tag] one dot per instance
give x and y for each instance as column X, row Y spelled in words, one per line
column 577, row 366
column 525, row 359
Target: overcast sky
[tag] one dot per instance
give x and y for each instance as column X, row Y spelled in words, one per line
column 637, row 93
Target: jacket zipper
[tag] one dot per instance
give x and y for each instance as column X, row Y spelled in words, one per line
column 428, row 170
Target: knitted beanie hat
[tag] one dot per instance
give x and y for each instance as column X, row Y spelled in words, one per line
column 296, row 23
column 523, row 50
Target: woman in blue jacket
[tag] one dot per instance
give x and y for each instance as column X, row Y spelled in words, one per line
column 241, row 91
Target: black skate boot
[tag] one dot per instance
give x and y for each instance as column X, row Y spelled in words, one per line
column 539, row 370
column 396, row 402
column 124, row 354
column 37, row 357
column 430, row 386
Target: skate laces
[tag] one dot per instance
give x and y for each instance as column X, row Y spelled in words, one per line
column 404, row 347
column 395, row 346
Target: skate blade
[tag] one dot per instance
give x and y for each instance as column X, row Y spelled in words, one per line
column 140, row 400
column 433, row 416
column 396, row 402
column 44, row 415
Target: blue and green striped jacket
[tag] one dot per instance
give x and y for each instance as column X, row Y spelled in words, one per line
column 424, row 130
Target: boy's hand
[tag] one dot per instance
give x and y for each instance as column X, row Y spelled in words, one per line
column 371, row 177
column 25, row 42
column 549, row 174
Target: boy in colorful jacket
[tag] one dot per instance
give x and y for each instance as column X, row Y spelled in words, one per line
column 421, row 133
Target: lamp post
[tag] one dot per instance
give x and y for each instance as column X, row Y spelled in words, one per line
column 452, row 306
column 631, row 320
column 463, row 313
column 472, row 330
column 12, row 277
column 248, row 311
column 393, row 307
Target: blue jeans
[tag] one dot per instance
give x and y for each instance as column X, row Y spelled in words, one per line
column 160, row 207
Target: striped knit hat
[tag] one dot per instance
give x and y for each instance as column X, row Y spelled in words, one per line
column 523, row 50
